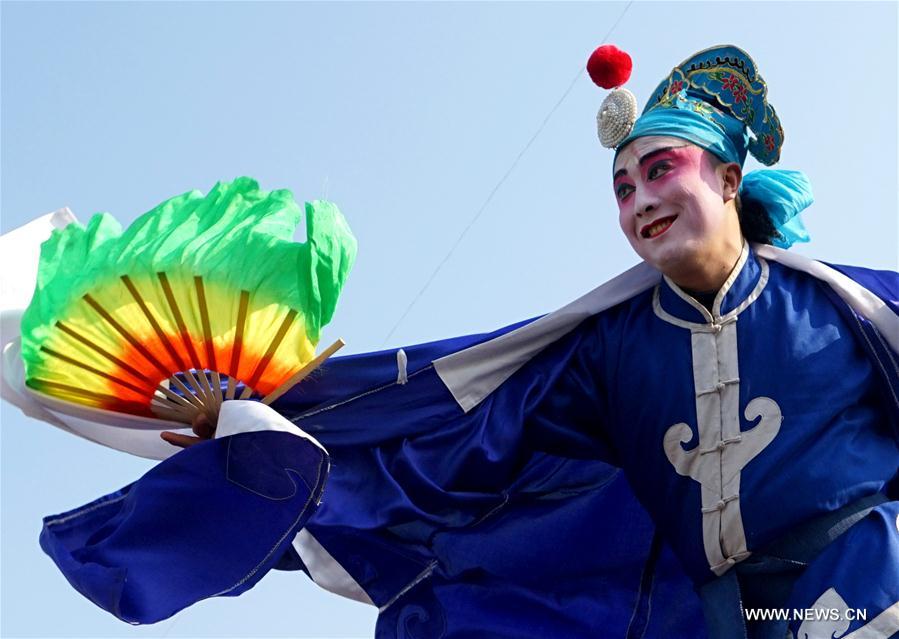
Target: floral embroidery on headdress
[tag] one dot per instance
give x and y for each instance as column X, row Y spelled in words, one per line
column 724, row 77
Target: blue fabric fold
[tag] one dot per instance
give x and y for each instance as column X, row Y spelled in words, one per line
column 210, row 521
column 782, row 195
column 486, row 523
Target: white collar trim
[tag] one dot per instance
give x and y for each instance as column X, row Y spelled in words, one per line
column 714, row 320
column 472, row 374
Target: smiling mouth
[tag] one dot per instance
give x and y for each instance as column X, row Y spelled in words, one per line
column 658, row 227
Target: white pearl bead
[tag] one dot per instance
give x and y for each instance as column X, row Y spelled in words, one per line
column 616, row 117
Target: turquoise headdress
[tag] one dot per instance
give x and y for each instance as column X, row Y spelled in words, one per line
column 716, row 100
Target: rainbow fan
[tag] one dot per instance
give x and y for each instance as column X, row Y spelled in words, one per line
column 202, row 299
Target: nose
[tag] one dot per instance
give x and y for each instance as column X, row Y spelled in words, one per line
column 644, row 202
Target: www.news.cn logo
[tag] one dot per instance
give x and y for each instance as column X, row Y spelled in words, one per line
column 805, row 614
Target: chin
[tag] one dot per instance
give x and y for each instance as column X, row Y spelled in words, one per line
column 672, row 257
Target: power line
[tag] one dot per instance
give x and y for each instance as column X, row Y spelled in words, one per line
column 499, row 184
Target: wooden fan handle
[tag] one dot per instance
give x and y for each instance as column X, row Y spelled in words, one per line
column 301, row 374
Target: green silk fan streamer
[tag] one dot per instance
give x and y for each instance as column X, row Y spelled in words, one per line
column 148, row 321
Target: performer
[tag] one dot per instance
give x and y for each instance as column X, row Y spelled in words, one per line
column 748, row 394
column 758, row 427
column 751, row 421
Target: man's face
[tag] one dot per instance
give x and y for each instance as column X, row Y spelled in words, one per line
column 671, row 203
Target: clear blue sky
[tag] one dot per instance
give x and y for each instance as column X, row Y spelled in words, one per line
column 407, row 115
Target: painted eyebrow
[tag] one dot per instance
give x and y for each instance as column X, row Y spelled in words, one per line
column 646, row 158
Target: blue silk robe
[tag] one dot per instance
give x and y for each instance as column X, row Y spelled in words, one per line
column 477, row 490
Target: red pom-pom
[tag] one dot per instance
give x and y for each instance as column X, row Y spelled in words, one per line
column 609, row 66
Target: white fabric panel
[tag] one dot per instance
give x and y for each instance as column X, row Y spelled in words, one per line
column 140, row 442
column 709, row 413
column 473, row 373
column 883, row 626
column 723, row 451
column 20, row 251
column 246, row 416
column 325, row 570
column 402, row 375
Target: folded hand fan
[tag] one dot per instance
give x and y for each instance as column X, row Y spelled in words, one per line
column 201, row 299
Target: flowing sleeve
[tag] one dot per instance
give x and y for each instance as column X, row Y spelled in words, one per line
column 209, row 521
column 505, row 520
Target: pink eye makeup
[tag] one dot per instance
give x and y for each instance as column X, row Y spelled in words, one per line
column 623, row 189
column 658, row 169
column 653, row 166
column 666, row 161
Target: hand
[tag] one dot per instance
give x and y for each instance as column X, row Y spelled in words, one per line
column 202, row 426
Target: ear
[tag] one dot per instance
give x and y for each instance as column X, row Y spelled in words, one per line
column 731, row 176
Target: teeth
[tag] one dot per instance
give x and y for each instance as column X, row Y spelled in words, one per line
column 658, row 227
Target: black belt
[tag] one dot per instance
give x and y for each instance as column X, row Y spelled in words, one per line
column 767, row 577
